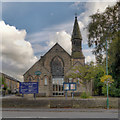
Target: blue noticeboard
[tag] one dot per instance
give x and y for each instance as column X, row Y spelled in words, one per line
column 28, row 87
column 66, row 86
column 69, row 86
column 73, row 86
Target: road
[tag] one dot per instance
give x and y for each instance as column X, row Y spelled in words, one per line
column 6, row 96
column 59, row 113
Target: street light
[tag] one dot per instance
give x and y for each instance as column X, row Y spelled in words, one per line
column 107, row 74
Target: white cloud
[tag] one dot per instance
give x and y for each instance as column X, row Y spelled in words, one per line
column 63, row 38
column 61, row 33
column 49, row 37
column 43, row 41
column 17, row 54
column 92, row 8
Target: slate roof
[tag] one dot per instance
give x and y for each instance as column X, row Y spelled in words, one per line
column 9, row 77
column 76, row 31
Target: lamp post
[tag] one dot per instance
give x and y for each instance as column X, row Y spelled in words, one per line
column 107, row 74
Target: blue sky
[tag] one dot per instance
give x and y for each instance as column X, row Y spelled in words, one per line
column 35, row 17
column 30, row 29
column 40, row 16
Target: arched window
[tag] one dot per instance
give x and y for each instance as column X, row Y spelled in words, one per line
column 57, row 67
column 37, row 78
column 45, row 80
column 30, row 78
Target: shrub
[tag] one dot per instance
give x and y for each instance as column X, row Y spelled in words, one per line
column 9, row 91
column 85, row 95
column 113, row 91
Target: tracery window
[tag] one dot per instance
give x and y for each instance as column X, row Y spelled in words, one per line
column 57, row 67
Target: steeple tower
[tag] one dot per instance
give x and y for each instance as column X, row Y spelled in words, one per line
column 77, row 43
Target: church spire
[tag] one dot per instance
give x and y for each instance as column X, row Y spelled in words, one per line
column 76, row 41
column 76, row 31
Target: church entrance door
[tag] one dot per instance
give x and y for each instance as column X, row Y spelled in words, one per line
column 58, row 86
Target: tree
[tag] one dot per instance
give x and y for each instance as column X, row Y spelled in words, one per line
column 100, row 71
column 2, row 81
column 114, row 60
column 103, row 26
column 3, row 85
column 84, row 73
column 107, row 79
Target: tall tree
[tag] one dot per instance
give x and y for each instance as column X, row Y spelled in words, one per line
column 103, row 26
column 114, row 59
column 99, row 72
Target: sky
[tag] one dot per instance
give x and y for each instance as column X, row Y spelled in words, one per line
column 30, row 29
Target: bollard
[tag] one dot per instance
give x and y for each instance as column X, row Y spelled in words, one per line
column 72, row 94
column 66, row 95
column 34, row 96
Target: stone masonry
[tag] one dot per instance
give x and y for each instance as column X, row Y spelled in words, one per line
column 55, row 65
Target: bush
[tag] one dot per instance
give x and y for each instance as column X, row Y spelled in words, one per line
column 9, row 91
column 3, row 92
column 104, row 90
column 18, row 94
column 85, row 95
column 113, row 91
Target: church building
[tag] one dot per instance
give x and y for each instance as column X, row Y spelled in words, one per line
column 54, row 66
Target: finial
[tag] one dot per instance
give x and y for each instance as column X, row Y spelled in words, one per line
column 75, row 15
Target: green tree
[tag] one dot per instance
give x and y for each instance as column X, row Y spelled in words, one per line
column 100, row 71
column 84, row 73
column 106, row 26
column 103, row 26
column 2, row 81
column 114, row 60
column 107, row 79
column 113, row 91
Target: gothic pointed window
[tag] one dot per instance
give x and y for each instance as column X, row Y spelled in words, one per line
column 57, row 67
column 30, row 78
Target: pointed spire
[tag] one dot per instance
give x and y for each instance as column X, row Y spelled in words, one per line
column 76, row 31
column 75, row 15
column 76, row 41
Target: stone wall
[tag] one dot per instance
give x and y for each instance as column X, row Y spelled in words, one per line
column 58, row 103
column 57, row 50
column 12, row 83
column 43, row 89
column 44, row 66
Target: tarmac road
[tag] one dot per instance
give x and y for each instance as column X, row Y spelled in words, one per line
column 59, row 113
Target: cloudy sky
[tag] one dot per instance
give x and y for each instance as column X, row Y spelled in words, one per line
column 30, row 29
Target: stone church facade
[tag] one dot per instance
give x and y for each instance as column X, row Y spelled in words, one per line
column 55, row 65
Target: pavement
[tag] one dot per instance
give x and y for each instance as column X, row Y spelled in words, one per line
column 7, row 96
column 60, row 110
column 58, row 113
column 30, row 96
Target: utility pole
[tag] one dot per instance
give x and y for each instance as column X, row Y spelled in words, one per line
column 107, row 74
